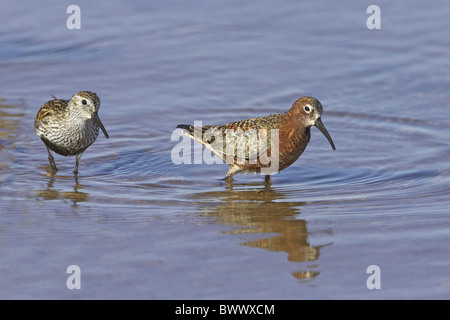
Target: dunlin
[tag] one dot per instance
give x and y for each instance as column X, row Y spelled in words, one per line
column 69, row 127
column 293, row 130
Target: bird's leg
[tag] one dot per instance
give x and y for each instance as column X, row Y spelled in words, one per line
column 267, row 178
column 51, row 160
column 233, row 170
column 228, row 179
column 77, row 162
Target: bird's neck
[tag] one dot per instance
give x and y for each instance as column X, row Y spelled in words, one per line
column 293, row 138
column 295, row 131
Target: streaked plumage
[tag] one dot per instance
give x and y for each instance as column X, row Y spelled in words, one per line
column 69, row 127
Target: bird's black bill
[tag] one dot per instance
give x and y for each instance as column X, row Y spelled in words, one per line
column 319, row 125
column 100, row 124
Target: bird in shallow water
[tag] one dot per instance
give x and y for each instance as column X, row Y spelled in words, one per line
column 263, row 145
column 69, row 127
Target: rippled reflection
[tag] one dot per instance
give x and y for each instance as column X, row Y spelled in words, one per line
column 51, row 193
column 253, row 209
column 9, row 128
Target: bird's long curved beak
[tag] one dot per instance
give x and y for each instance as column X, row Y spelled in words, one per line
column 319, row 125
column 100, row 124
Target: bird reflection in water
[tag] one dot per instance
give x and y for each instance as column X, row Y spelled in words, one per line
column 256, row 209
column 74, row 196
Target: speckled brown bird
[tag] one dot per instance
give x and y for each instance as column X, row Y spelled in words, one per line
column 69, row 127
column 253, row 145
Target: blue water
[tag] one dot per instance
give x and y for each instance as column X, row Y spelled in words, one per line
column 139, row 226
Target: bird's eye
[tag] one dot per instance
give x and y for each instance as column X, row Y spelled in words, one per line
column 84, row 102
column 307, row 109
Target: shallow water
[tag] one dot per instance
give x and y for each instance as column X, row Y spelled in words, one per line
column 139, row 226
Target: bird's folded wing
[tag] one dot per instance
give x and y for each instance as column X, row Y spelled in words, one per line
column 240, row 143
column 244, row 139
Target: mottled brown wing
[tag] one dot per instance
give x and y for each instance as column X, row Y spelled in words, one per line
column 245, row 139
column 50, row 109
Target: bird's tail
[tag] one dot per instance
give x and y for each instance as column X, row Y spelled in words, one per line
column 186, row 127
